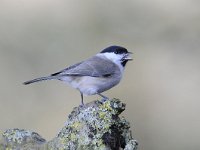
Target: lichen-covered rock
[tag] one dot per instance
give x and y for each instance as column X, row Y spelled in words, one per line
column 16, row 139
column 94, row 126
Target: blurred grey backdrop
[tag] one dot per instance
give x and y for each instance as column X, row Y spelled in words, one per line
column 161, row 87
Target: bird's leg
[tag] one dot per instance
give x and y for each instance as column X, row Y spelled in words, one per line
column 104, row 97
column 82, row 103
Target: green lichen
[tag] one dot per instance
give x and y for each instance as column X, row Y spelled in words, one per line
column 20, row 139
column 94, row 126
column 15, row 135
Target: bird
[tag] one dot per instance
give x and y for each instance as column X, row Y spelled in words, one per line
column 94, row 75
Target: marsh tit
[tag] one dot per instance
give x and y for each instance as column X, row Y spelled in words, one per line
column 94, row 75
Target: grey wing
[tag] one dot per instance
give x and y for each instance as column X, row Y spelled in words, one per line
column 65, row 70
column 94, row 67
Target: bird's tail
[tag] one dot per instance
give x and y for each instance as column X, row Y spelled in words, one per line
column 38, row 80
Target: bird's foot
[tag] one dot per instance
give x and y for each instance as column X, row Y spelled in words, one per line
column 104, row 98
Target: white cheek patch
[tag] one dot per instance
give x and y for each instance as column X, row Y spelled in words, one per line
column 113, row 56
column 116, row 58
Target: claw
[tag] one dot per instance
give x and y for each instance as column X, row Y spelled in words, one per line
column 104, row 98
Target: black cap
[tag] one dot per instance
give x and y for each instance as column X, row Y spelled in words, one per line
column 115, row 49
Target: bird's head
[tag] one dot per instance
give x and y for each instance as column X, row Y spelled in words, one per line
column 117, row 54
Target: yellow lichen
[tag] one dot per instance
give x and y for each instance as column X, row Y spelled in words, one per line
column 76, row 125
column 106, row 106
column 102, row 115
column 73, row 137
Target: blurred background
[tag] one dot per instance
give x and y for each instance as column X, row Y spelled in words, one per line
column 161, row 87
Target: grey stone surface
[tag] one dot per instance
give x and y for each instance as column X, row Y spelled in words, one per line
column 94, row 126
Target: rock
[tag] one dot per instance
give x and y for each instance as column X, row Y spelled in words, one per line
column 94, row 126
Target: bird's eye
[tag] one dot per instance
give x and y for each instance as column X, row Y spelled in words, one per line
column 116, row 52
